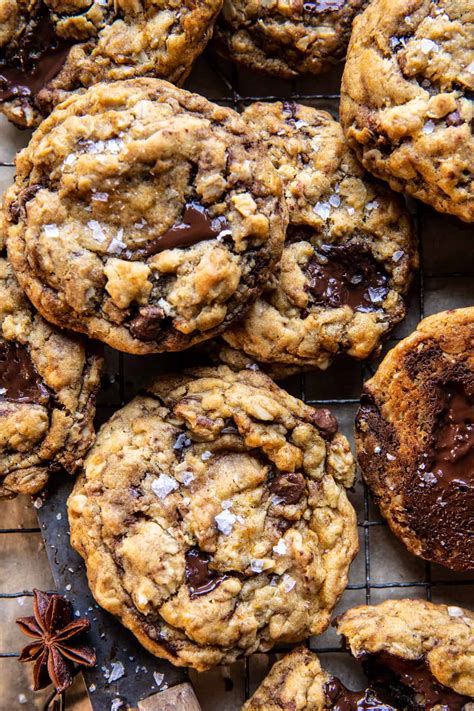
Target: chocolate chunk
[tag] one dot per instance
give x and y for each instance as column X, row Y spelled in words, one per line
column 197, row 225
column 148, row 325
column 199, row 578
column 24, row 196
column 19, row 380
column 289, row 487
column 325, row 422
column 405, row 678
column 29, row 65
column 345, row 275
column 341, row 699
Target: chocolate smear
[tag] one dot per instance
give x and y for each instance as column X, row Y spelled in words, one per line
column 19, row 380
column 403, row 679
column 344, row 275
column 341, row 699
column 197, row 225
column 199, row 578
column 29, row 65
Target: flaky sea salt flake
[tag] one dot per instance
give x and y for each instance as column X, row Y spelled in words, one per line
column 158, row 678
column 164, row 485
column 288, row 583
column 280, row 548
column 225, row 522
column 323, row 209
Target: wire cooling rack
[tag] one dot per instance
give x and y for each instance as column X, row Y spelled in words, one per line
column 383, row 568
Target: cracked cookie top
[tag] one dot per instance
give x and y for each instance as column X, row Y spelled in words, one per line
column 48, row 383
column 286, row 38
column 48, row 49
column 146, row 217
column 213, row 518
column 414, row 653
column 406, row 103
column 349, row 251
column 415, row 439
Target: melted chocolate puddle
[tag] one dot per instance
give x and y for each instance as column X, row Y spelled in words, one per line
column 38, row 57
column 342, row 275
column 404, row 679
column 341, row 699
column 396, row 683
column 199, row 578
column 454, row 444
column 196, row 225
column 19, row 380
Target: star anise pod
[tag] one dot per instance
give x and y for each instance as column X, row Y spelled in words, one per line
column 55, row 649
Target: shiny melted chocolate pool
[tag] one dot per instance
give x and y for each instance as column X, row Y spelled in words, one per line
column 19, row 380
column 30, row 63
column 343, row 275
column 396, row 684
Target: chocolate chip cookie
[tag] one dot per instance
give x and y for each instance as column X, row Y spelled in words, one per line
column 49, row 49
column 146, row 217
column 213, row 517
column 286, row 38
column 419, row 652
column 406, row 103
column 349, row 252
column 415, row 439
column 415, row 655
column 48, row 383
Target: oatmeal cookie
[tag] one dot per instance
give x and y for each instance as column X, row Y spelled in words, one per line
column 48, row 383
column 213, row 518
column 406, row 103
column 422, row 653
column 415, row 654
column 146, row 217
column 349, row 252
column 286, row 38
column 415, row 439
column 49, row 49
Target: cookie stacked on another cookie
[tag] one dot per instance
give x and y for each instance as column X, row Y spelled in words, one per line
column 406, row 99
column 415, row 439
column 48, row 383
column 286, row 39
column 349, row 252
column 145, row 216
column 48, row 50
column 414, row 653
column 213, row 518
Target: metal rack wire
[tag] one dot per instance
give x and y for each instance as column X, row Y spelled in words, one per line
column 229, row 77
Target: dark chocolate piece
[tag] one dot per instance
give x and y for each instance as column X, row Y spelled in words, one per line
column 19, row 380
column 289, row 487
column 196, row 225
column 325, row 422
column 345, row 275
column 199, row 578
column 341, row 699
column 454, row 444
column 27, row 67
column 148, row 325
column 405, row 678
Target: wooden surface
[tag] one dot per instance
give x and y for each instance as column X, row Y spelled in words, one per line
column 178, row 698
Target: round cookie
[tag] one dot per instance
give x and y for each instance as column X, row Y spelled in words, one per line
column 48, row 383
column 286, row 39
column 146, row 217
column 420, row 651
column 415, row 654
column 406, row 103
column 349, row 252
column 415, row 439
column 213, row 518
column 48, row 49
